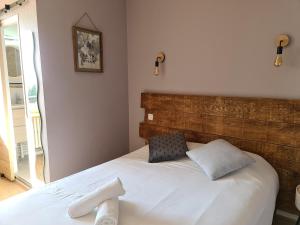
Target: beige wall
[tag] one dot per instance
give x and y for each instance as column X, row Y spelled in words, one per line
column 87, row 114
column 213, row 47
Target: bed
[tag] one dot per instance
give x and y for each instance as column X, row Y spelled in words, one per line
column 168, row 193
column 178, row 192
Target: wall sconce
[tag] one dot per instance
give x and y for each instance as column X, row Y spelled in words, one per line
column 281, row 42
column 160, row 58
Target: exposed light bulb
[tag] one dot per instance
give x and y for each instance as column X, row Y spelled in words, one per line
column 156, row 71
column 278, row 60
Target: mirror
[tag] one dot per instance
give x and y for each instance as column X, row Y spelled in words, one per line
column 24, row 92
column 34, row 111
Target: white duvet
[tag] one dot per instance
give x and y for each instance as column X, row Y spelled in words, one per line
column 168, row 193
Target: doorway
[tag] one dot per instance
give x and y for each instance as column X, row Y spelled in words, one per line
column 23, row 103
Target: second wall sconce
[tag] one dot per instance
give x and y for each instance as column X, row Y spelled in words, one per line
column 160, row 58
column 281, row 42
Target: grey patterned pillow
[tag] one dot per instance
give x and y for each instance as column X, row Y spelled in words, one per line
column 167, row 147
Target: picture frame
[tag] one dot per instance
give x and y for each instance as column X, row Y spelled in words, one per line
column 88, row 50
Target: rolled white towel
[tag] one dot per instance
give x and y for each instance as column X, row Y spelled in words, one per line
column 108, row 212
column 87, row 203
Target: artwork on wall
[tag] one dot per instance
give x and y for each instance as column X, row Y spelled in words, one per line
column 88, row 50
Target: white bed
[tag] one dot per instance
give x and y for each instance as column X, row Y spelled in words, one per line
column 168, row 193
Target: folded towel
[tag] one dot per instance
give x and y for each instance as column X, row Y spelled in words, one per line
column 87, row 203
column 108, row 212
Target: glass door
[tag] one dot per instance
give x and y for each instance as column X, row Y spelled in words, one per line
column 23, row 94
column 17, row 99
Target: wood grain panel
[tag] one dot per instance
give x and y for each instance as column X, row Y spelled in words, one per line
column 255, row 130
column 281, row 111
column 296, row 112
column 267, row 127
column 281, row 133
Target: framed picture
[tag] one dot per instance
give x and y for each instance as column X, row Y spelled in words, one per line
column 88, row 50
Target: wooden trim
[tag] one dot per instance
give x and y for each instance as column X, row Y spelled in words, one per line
column 267, row 127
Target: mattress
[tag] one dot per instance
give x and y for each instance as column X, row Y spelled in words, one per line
column 167, row 193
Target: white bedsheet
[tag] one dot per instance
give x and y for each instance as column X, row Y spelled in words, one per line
column 168, row 193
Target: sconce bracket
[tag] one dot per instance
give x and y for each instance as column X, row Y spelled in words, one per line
column 161, row 57
column 284, row 39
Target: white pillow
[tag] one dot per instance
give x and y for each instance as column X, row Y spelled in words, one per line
column 219, row 157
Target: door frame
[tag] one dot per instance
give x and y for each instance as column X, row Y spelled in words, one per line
column 8, row 136
column 29, row 136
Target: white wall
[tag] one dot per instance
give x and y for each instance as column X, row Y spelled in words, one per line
column 213, row 47
column 87, row 114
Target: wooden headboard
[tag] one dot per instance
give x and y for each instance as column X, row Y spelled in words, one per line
column 267, row 127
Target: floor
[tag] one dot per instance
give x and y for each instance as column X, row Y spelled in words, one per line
column 39, row 167
column 23, row 168
column 9, row 189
